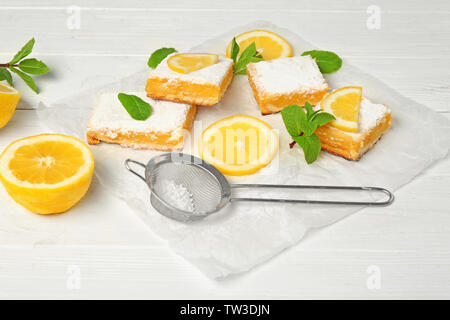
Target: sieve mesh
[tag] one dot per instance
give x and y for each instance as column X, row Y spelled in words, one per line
column 202, row 187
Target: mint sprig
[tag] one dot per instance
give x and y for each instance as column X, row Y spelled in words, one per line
column 327, row 61
column 158, row 56
column 249, row 55
column 301, row 126
column 26, row 66
column 137, row 108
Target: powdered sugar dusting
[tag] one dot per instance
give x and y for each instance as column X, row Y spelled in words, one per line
column 282, row 76
column 111, row 117
column 177, row 195
column 213, row 74
column 370, row 114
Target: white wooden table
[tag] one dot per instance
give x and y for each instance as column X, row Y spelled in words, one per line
column 406, row 244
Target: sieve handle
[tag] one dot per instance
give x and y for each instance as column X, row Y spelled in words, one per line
column 127, row 165
column 388, row 201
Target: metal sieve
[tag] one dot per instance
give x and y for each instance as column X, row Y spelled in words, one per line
column 206, row 190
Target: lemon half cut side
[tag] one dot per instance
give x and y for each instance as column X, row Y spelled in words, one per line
column 9, row 97
column 47, row 173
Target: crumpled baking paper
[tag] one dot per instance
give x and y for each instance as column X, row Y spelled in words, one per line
column 243, row 235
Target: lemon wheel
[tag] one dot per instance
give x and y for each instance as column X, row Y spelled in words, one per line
column 269, row 44
column 238, row 145
column 344, row 105
column 188, row 62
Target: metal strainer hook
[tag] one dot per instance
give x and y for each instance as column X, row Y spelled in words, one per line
column 186, row 188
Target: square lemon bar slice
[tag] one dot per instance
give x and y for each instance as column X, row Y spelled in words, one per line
column 374, row 120
column 203, row 87
column 164, row 129
column 281, row 82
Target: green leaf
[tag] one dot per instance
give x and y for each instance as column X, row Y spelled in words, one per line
column 249, row 55
column 307, row 127
column 327, row 61
column 234, row 50
column 314, row 113
column 6, row 75
column 28, row 80
column 158, row 56
column 309, row 110
column 323, row 118
column 135, row 106
column 25, row 51
column 292, row 116
column 241, row 67
column 33, row 66
column 311, row 147
column 250, row 51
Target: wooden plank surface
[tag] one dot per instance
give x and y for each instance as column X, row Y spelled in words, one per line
column 408, row 241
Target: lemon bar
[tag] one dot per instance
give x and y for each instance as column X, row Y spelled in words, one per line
column 281, row 82
column 203, row 87
column 374, row 121
column 164, row 130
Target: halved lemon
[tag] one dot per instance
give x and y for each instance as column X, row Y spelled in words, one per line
column 47, row 173
column 9, row 97
column 238, row 145
column 188, row 62
column 269, row 44
column 344, row 105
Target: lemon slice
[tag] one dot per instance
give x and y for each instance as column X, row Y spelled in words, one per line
column 270, row 45
column 47, row 173
column 9, row 97
column 344, row 105
column 188, row 62
column 238, row 145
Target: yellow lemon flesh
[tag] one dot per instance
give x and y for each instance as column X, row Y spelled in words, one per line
column 9, row 97
column 188, row 62
column 344, row 105
column 47, row 173
column 238, row 145
column 270, row 45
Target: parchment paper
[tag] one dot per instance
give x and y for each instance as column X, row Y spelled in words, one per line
column 243, row 235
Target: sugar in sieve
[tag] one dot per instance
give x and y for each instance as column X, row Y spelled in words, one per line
column 186, row 188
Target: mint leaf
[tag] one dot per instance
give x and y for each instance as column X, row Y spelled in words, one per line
column 25, row 51
column 311, row 146
column 241, row 67
column 249, row 55
column 322, row 118
column 234, row 50
column 309, row 110
column 292, row 116
column 6, row 75
column 33, row 66
column 308, row 127
column 327, row 61
column 301, row 125
column 250, row 51
column 28, row 80
column 296, row 121
column 158, row 56
column 137, row 108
